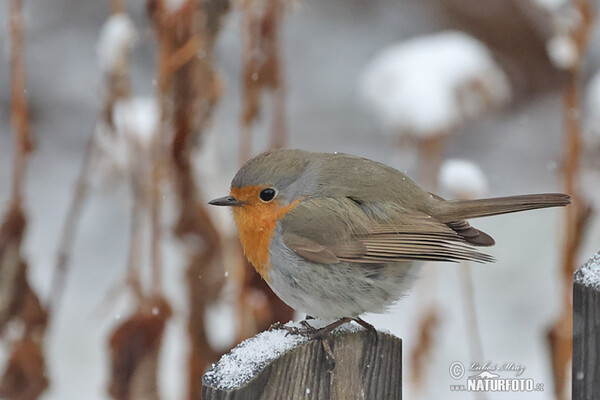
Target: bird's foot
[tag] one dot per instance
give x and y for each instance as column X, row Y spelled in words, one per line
column 364, row 324
column 276, row 326
column 312, row 333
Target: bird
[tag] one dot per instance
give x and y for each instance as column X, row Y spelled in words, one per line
column 336, row 235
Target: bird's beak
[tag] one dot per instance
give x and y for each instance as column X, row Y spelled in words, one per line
column 226, row 201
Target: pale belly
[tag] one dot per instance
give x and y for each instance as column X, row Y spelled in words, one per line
column 337, row 290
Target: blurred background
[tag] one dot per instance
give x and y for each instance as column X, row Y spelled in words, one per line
column 117, row 281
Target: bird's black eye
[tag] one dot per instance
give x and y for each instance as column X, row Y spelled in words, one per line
column 267, row 194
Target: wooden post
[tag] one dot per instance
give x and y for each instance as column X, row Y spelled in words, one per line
column 586, row 331
column 271, row 365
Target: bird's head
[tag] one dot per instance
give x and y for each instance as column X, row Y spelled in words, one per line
column 269, row 185
column 269, row 181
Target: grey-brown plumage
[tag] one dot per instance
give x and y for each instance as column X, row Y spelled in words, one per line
column 359, row 210
column 354, row 229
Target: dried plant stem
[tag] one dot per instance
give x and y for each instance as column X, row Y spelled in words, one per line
column 190, row 82
column 69, row 229
column 431, row 154
column 24, row 377
column 278, row 125
column 560, row 334
column 136, row 237
column 471, row 321
column 425, row 341
column 19, row 116
column 473, row 332
column 117, row 6
column 571, row 156
column 117, row 86
column 158, row 151
column 245, row 144
column 258, row 307
column 156, row 219
column 262, row 70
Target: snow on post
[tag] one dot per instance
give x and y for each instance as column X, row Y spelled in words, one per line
column 433, row 84
column 462, row 179
column 586, row 330
column 275, row 364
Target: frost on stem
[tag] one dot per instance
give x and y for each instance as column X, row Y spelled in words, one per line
column 433, row 84
column 136, row 122
column 137, row 119
column 117, row 37
column 463, row 179
column 565, row 19
column 563, row 51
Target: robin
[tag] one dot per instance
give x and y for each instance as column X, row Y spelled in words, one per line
column 336, row 236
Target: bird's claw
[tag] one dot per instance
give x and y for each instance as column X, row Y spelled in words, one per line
column 277, row 325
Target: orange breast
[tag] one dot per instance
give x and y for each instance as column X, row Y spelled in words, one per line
column 256, row 222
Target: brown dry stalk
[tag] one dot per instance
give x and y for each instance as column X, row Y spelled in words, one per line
column 262, row 70
column 431, row 153
column 560, row 335
column 69, row 229
column 188, row 90
column 471, row 322
column 19, row 115
column 24, row 377
column 134, row 349
column 117, row 85
column 136, row 246
column 473, row 333
column 159, row 144
column 117, row 6
column 424, row 345
column 258, row 307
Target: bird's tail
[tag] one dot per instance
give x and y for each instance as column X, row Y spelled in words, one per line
column 457, row 210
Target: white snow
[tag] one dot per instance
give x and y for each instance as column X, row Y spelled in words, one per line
column 137, row 118
column 248, row 358
column 589, row 273
column 220, row 319
column 136, row 121
column 243, row 362
column 463, row 179
column 563, row 52
column 174, row 5
column 117, row 37
column 432, row 84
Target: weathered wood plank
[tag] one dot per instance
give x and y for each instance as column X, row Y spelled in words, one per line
column 368, row 365
column 586, row 331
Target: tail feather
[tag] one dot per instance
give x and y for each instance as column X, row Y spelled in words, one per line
column 458, row 210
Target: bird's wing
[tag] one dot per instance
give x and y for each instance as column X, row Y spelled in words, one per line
column 329, row 230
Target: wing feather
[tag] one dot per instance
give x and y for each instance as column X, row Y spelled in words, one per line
column 330, row 230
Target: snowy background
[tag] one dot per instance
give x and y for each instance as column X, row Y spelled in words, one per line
column 327, row 46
